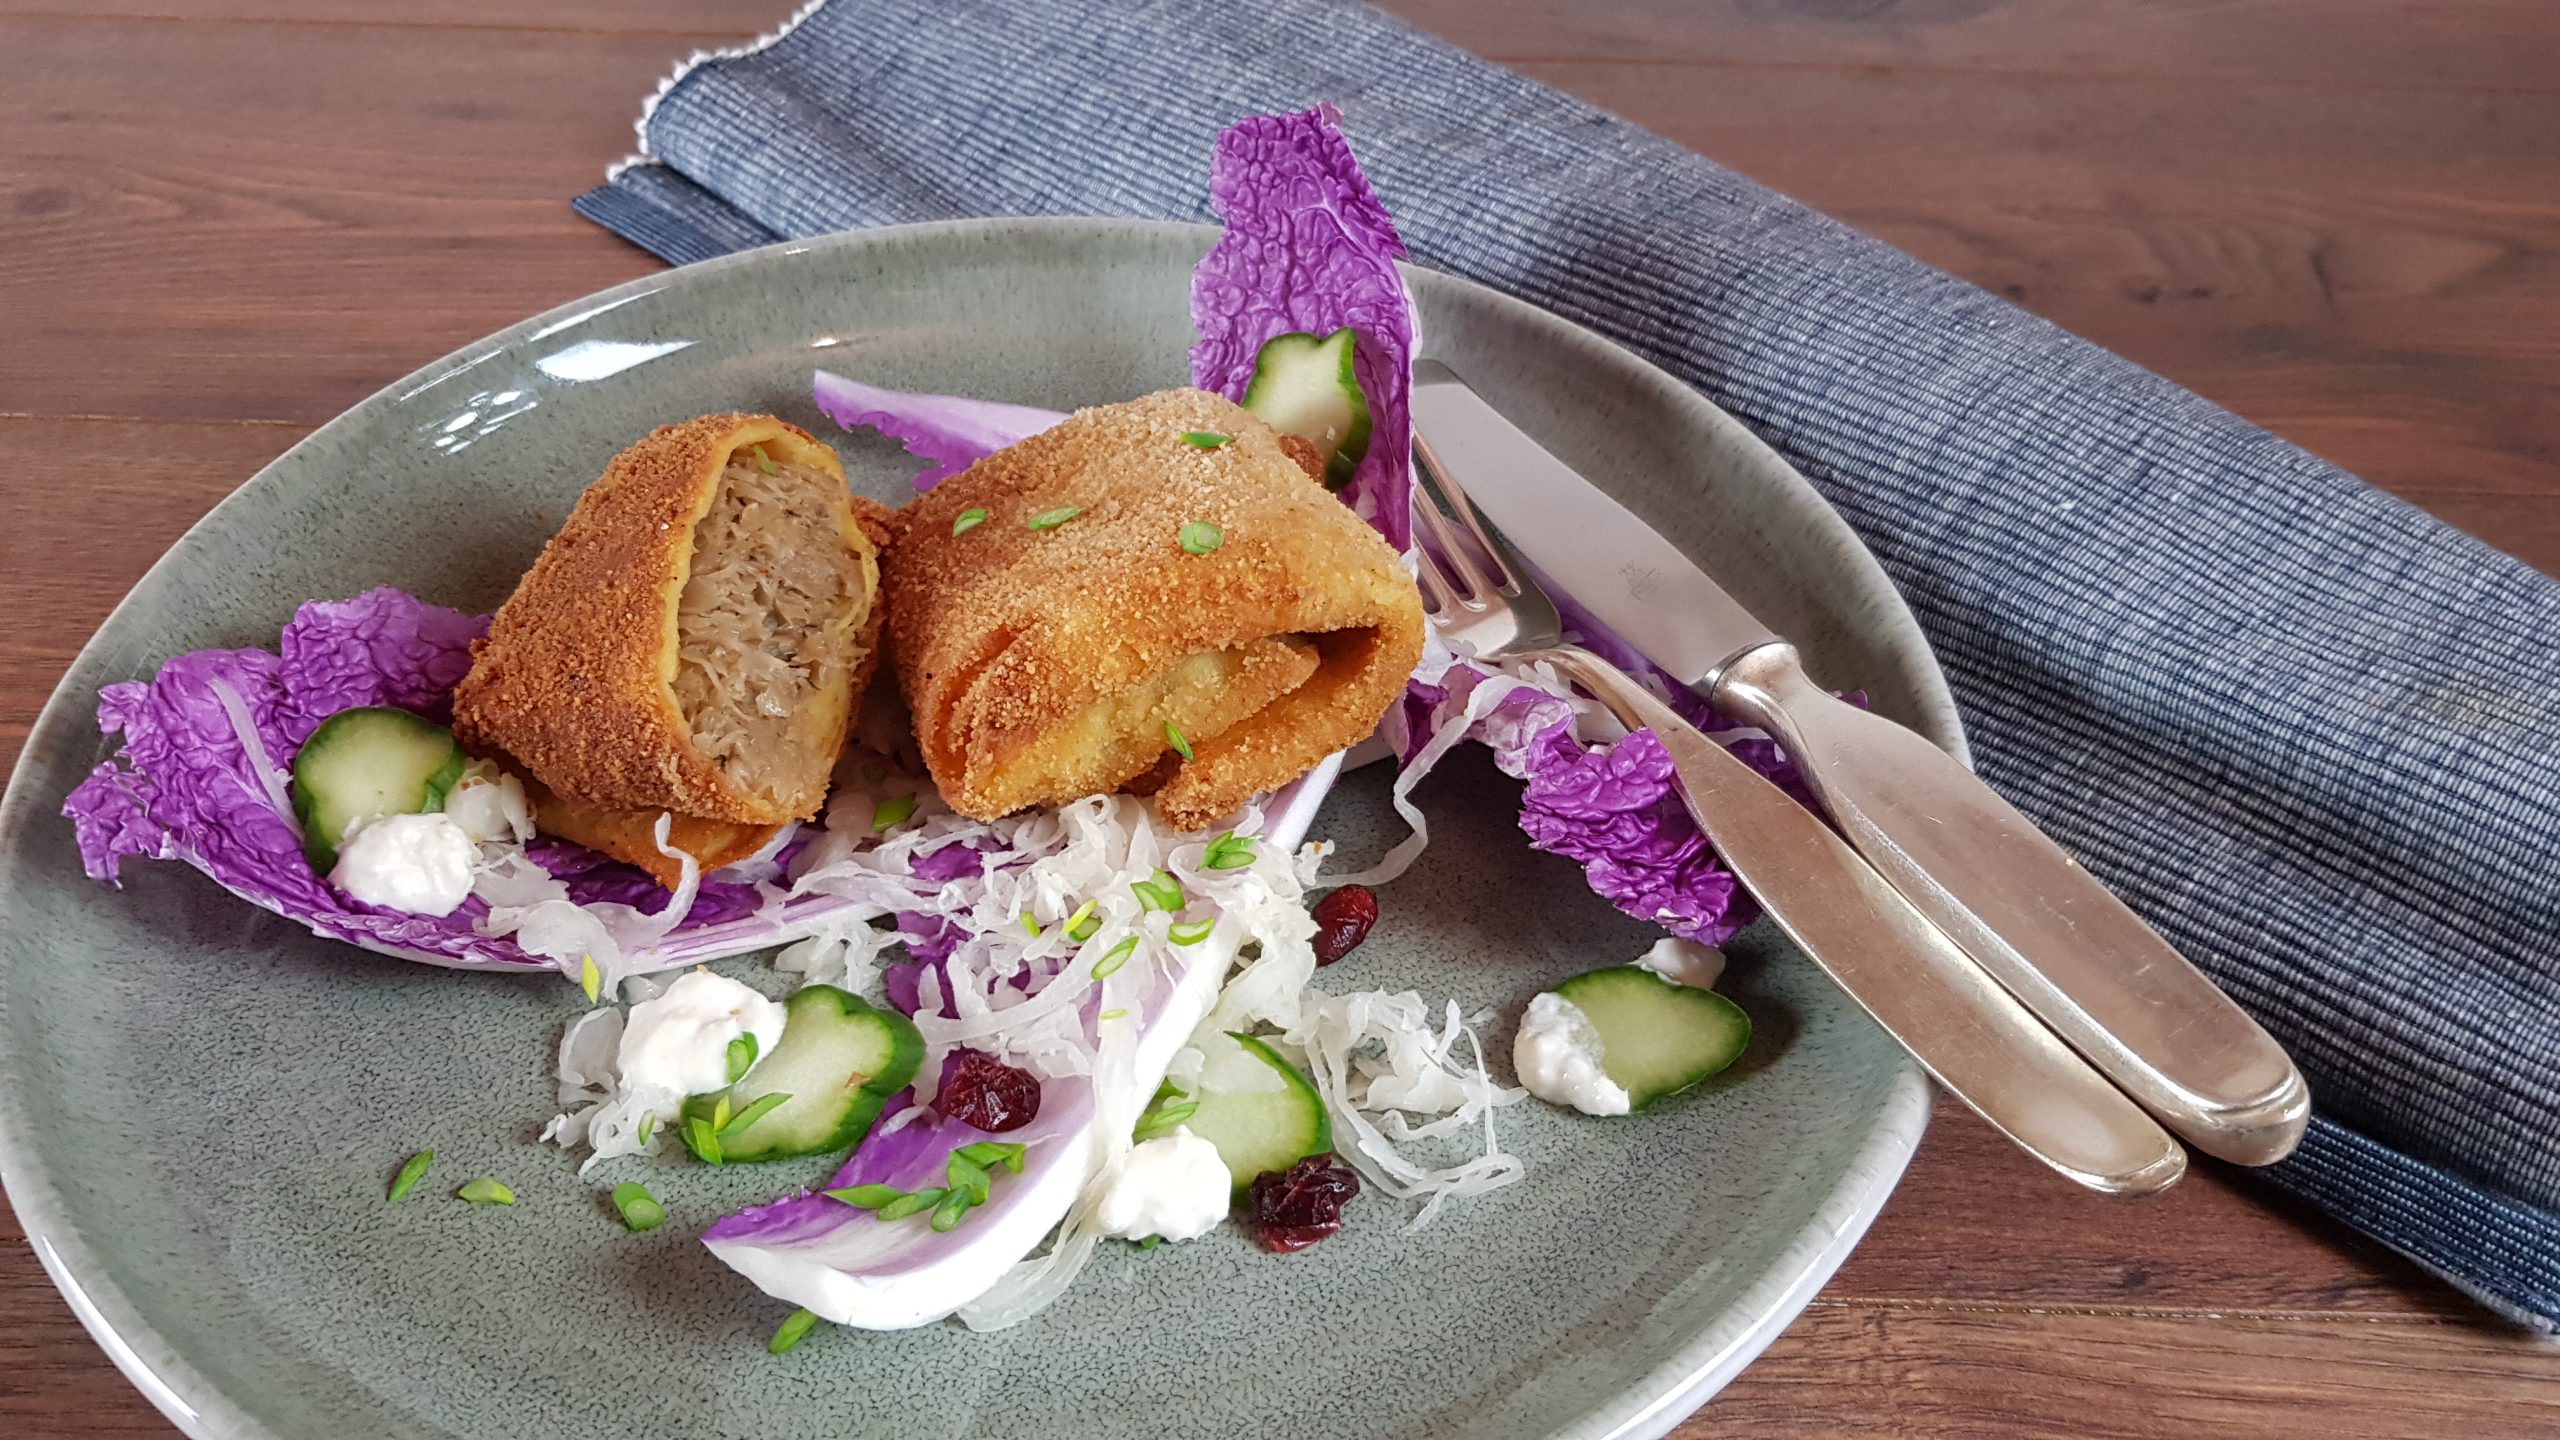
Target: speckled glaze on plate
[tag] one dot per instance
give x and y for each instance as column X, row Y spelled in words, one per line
column 200, row 1104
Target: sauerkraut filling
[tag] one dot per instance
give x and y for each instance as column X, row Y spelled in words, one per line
column 770, row 618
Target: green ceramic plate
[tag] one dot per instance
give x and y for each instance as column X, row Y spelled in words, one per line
column 200, row 1104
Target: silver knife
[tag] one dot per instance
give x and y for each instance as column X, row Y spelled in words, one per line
column 2013, row 900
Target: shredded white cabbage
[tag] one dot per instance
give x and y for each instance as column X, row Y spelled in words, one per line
column 535, row 910
column 1374, row 1054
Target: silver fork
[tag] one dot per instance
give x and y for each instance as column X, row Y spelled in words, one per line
column 1977, row 1040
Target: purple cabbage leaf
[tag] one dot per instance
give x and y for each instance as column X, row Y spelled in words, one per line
column 1309, row 247
column 953, row 432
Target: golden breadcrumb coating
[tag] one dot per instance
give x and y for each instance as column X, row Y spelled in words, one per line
column 575, row 678
column 1041, row 665
column 631, row 836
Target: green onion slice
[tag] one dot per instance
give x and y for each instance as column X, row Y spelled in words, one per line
column 875, row 773
column 799, row 1325
column 967, row 1177
column 892, row 810
column 485, row 1191
column 640, row 1209
column 915, row 1203
column 1030, row 926
column 590, row 979
column 764, row 462
column 703, row 1139
column 1191, row 932
column 1113, row 1015
column 742, row 1057
column 969, row 519
column 1052, row 519
column 1173, row 737
column 1112, row 959
column 1151, row 1242
column 865, row 1197
column 1161, row 893
column 1228, row 852
column 648, row 1125
column 1082, row 924
column 991, row 1153
column 411, row 1172
column 1200, row 537
column 1205, row 439
column 947, row 1214
column 764, row 1105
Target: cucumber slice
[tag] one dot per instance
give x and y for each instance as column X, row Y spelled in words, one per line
column 365, row 763
column 838, row 1059
column 1304, row 385
column 1259, row 1110
column 1657, row 1038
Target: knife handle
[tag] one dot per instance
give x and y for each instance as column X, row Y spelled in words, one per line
column 1967, row 1031
column 2027, row 912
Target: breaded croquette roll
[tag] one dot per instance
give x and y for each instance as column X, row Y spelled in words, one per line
column 1153, row 591
column 695, row 639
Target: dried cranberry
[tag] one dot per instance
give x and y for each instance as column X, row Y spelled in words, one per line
column 980, row 1090
column 1294, row 1208
column 1343, row 919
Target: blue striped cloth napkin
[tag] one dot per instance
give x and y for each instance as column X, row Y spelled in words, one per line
column 2312, row 734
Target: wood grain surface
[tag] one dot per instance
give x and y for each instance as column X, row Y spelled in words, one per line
column 2339, row 218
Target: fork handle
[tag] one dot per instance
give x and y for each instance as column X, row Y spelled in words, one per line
column 2027, row 912
column 1970, row 1034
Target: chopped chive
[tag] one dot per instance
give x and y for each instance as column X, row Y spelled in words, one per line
column 1228, row 852
column 1151, row 1242
column 1205, row 439
column 991, row 1153
column 865, row 1197
column 590, row 979
column 1113, row 1015
column 764, row 1105
column 969, row 519
column 1173, row 737
column 742, row 1057
column 1082, row 924
column 1190, row 933
column 702, row 1140
column 947, row 1215
column 648, row 1125
column 1030, row 926
column 892, row 810
column 1200, row 537
column 967, row 1177
column 764, row 462
column 915, row 1203
column 485, row 1191
column 799, row 1325
column 1112, row 959
column 875, row 773
column 411, row 1172
column 1052, row 519
column 640, row 1209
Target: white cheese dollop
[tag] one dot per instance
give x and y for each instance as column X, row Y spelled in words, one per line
column 678, row 1044
column 418, row 863
column 1558, row 1058
column 1684, row 962
column 1174, row 1186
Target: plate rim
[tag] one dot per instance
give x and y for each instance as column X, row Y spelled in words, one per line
column 1667, row 1395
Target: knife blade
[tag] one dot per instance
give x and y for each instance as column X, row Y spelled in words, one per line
column 2014, row 901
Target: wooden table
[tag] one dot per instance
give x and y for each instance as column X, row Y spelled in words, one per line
column 2341, row 218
